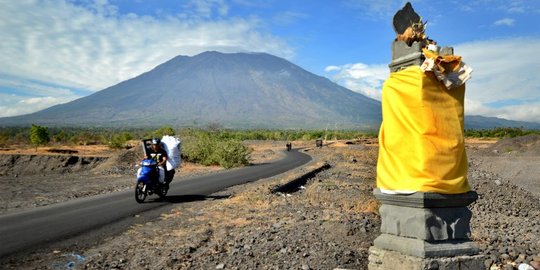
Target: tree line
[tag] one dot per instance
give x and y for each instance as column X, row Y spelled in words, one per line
column 212, row 145
column 116, row 138
column 501, row 132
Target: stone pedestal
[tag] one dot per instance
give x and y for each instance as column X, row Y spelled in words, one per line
column 425, row 230
column 381, row 259
column 404, row 55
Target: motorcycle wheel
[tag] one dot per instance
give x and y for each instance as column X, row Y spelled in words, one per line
column 163, row 191
column 140, row 192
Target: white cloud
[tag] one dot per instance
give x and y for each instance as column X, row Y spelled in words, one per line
column 12, row 105
column 504, row 70
column 92, row 46
column 505, row 22
column 525, row 112
column 361, row 78
column 512, row 7
column 207, row 8
column 26, row 87
column 505, row 81
column 516, row 10
column 288, row 17
column 381, row 9
column 332, row 68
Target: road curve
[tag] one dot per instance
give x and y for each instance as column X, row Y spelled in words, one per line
column 26, row 229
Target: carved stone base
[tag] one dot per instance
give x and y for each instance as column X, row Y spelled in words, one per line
column 424, row 249
column 425, row 231
column 380, row 259
column 430, row 224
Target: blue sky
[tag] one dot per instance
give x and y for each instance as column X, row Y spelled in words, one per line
column 56, row 51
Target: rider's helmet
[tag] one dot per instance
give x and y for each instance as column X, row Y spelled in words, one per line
column 156, row 141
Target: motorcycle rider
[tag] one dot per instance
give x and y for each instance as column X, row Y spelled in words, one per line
column 157, row 152
column 159, row 155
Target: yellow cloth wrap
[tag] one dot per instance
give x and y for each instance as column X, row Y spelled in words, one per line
column 421, row 146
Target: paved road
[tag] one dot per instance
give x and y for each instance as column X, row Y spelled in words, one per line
column 26, row 229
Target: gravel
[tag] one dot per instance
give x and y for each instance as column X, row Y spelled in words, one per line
column 329, row 223
column 506, row 217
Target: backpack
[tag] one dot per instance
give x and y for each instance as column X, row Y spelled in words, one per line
column 173, row 147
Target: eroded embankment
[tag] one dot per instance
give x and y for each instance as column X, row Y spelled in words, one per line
column 41, row 164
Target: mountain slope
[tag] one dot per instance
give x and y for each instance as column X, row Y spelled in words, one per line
column 238, row 90
column 482, row 122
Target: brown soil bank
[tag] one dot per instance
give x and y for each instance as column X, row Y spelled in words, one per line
column 514, row 159
column 15, row 165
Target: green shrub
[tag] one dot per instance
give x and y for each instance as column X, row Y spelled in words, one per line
column 88, row 138
column 4, row 139
column 230, row 154
column 208, row 148
column 39, row 135
column 503, row 132
column 165, row 130
column 60, row 137
column 118, row 141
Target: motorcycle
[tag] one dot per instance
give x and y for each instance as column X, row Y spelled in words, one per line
column 148, row 181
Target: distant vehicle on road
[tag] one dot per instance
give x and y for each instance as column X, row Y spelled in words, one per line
column 319, row 143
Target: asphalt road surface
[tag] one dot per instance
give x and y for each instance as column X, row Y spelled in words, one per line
column 24, row 230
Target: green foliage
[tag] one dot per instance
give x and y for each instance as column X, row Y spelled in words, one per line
column 88, row 138
column 213, row 126
column 165, row 130
column 213, row 145
column 4, row 137
column 499, row 132
column 280, row 135
column 230, row 154
column 60, row 137
column 39, row 135
column 224, row 147
column 208, row 148
column 118, row 141
column 72, row 135
column 21, row 138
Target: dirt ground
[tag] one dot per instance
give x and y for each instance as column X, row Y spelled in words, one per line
column 515, row 159
column 329, row 221
column 81, row 171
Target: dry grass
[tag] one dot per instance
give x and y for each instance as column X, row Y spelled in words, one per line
column 346, row 189
column 480, row 142
column 189, row 168
column 265, row 151
column 255, row 199
column 172, row 214
column 352, row 175
column 362, row 206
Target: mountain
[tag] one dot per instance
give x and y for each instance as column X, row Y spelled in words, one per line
column 482, row 122
column 239, row 90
